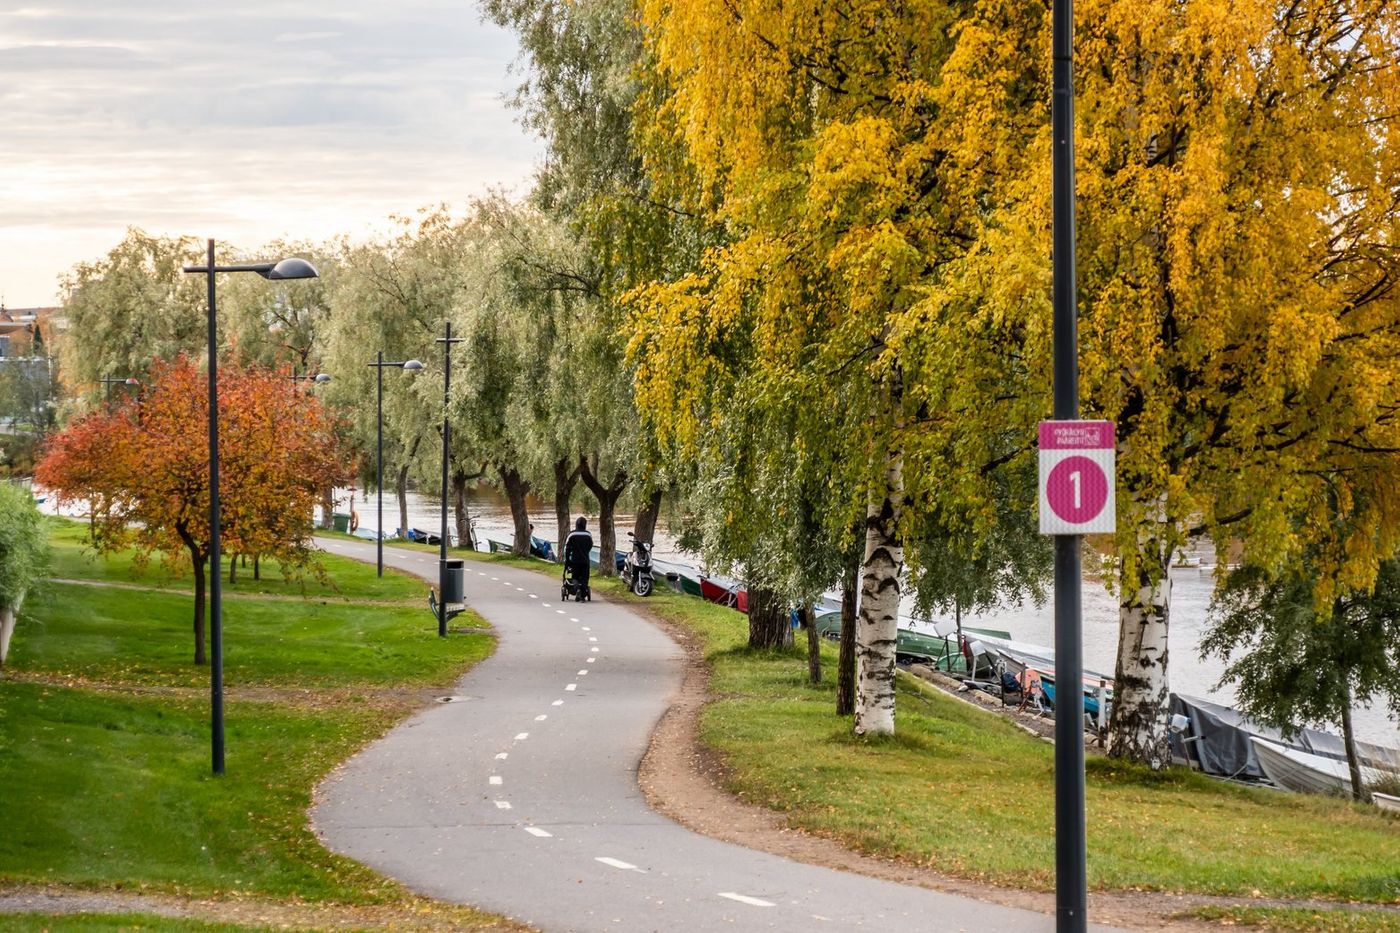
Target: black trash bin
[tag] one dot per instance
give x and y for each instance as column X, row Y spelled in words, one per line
column 453, row 585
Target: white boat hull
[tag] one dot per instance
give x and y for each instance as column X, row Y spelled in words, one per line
column 1386, row 802
column 1307, row 773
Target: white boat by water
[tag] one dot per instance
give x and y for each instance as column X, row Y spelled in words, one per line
column 1309, row 774
column 1386, row 802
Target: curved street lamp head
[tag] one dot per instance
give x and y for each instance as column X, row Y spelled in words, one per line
column 413, row 365
column 133, row 381
column 323, row 378
column 292, row 268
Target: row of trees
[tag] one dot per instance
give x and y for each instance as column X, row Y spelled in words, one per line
column 850, row 324
column 789, row 267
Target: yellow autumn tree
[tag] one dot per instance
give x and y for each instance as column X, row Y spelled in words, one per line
column 809, row 135
column 1239, row 172
column 883, row 174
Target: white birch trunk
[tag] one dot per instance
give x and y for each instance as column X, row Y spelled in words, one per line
column 878, row 621
column 1137, row 728
column 7, row 627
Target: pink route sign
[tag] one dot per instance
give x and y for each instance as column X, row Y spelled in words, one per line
column 1076, row 477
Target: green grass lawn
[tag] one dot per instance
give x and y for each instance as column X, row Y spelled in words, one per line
column 118, row 923
column 73, row 559
column 966, row 792
column 104, row 732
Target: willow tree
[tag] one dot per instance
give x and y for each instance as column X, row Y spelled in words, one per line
column 1238, row 169
column 813, row 137
column 585, row 68
column 130, row 308
column 394, row 296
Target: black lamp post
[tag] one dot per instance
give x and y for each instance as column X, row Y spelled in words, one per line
column 110, row 381
column 1071, row 880
column 286, row 269
column 447, row 340
column 379, row 364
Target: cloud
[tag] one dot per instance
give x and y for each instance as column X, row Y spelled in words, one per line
column 235, row 121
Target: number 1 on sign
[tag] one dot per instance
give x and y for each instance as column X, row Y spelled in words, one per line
column 1075, row 480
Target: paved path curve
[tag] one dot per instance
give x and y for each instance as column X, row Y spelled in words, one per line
column 520, row 796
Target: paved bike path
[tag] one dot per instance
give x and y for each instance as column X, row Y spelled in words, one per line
column 520, row 795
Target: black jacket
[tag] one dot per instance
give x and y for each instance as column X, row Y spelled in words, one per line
column 577, row 547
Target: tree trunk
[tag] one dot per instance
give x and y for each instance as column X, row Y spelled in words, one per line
column 565, row 479
column 328, row 509
column 814, row 645
column 7, row 628
column 607, row 496
column 1358, row 789
column 257, row 569
column 401, row 488
column 516, row 490
column 650, row 511
column 846, row 661
column 465, row 537
column 199, row 562
column 233, row 569
column 1137, row 725
column 879, row 604
column 401, row 491
column 768, row 619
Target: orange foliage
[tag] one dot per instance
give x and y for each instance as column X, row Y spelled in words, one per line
column 145, row 466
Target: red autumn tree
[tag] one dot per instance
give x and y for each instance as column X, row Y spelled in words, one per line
column 144, row 469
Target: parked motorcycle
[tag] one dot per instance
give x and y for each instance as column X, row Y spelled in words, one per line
column 636, row 570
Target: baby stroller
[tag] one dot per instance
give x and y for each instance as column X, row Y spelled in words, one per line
column 574, row 587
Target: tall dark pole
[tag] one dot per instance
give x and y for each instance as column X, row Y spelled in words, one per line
column 1071, row 883
column 216, row 622
column 447, row 340
column 379, row 461
column 286, row 269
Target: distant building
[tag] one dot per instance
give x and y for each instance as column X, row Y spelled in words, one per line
column 25, row 332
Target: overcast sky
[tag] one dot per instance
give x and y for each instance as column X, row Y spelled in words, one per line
column 246, row 122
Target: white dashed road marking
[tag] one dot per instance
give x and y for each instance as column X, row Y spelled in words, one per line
column 536, row 831
column 591, row 660
column 541, row 717
column 572, row 619
column 617, row 863
column 495, row 779
column 557, row 703
column 502, row 756
column 592, row 637
column 583, row 673
column 502, row 804
column 594, row 649
column 745, row 899
column 522, row 736
column 574, row 686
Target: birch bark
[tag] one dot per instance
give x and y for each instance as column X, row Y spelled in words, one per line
column 1138, row 722
column 878, row 620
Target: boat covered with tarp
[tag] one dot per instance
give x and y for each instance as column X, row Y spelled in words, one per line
column 1217, row 740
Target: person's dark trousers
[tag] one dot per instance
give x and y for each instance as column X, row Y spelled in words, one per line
column 580, row 573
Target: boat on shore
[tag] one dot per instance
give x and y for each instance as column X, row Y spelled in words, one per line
column 1307, row 773
column 1387, row 802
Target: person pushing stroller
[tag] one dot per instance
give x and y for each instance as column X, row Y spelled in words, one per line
column 577, row 547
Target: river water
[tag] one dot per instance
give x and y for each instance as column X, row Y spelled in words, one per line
column 1190, row 600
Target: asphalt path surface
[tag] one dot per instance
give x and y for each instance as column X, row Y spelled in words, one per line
column 519, row 795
